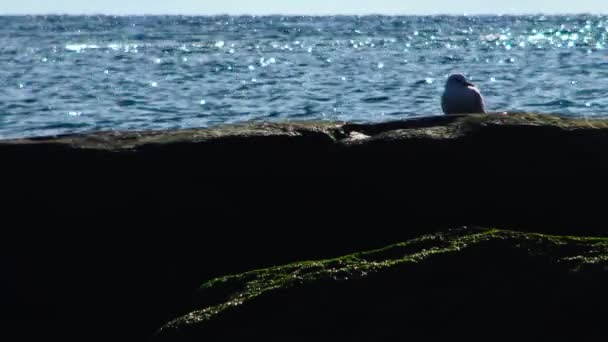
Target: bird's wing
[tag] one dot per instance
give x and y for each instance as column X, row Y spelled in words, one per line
column 480, row 102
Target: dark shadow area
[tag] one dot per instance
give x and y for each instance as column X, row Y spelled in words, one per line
column 104, row 244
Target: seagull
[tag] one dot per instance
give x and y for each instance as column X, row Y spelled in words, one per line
column 461, row 97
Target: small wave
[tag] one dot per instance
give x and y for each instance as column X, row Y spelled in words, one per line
column 302, row 116
column 555, row 103
column 320, row 99
column 307, row 109
column 66, row 125
column 276, row 98
column 273, row 114
column 16, row 106
column 426, row 81
column 450, row 59
column 159, row 109
column 126, row 103
column 592, row 92
column 375, row 99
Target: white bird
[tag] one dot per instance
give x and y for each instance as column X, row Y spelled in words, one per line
column 461, row 97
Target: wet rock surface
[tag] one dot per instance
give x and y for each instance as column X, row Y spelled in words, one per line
column 109, row 234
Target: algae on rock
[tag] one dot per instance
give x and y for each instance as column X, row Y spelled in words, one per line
column 326, row 298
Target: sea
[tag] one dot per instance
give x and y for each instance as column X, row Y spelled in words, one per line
column 75, row 74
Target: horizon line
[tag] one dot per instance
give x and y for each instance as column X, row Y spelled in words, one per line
column 270, row 14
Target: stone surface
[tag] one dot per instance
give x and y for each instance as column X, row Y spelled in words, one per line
column 473, row 169
column 112, row 231
column 457, row 284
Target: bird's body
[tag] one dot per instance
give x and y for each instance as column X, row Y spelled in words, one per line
column 461, row 97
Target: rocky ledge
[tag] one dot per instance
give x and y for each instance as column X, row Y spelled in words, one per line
column 113, row 231
column 513, row 170
column 463, row 283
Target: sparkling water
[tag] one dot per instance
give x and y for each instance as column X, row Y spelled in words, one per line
column 64, row 74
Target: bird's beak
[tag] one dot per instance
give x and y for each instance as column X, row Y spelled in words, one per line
column 469, row 84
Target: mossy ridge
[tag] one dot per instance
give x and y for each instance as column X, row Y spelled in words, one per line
column 570, row 253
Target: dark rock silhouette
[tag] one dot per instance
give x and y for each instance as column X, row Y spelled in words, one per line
column 112, row 232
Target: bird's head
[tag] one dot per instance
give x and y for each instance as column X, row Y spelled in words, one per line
column 458, row 80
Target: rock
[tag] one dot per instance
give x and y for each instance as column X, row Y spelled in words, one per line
column 509, row 170
column 458, row 284
column 112, row 231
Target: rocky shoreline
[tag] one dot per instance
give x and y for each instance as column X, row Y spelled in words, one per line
column 114, row 231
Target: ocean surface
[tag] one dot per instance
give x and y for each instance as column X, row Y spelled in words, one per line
column 65, row 74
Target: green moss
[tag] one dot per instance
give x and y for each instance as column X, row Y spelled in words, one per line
column 569, row 253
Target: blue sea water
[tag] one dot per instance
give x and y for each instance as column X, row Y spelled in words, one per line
column 65, row 74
